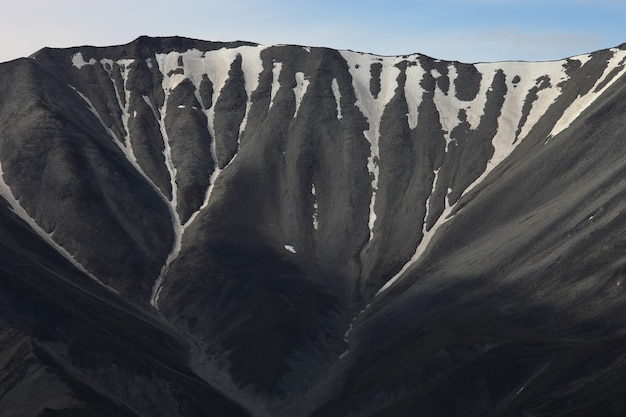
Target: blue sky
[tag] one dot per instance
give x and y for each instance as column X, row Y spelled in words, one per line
column 464, row 30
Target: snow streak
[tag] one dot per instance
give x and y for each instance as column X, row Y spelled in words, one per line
column 582, row 102
column 372, row 107
column 277, row 67
column 302, row 84
column 337, row 94
column 7, row 194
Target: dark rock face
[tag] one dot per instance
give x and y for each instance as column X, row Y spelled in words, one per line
column 192, row 228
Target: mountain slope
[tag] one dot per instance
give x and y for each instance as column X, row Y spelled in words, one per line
column 329, row 232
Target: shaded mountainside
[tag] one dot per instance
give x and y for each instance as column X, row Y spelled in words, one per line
column 195, row 228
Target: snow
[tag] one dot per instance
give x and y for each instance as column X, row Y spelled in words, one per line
column 78, row 61
column 427, row 235
column 583, row 102
column 448, row 105
column 372, row 108
column 7, row 194
column 583, row 59
column 277, row 67
column 302, row 84
column 290, row 248
column 427, row 212
column 216, row 66
column 505, row 140
column 119, row 144
column 413, row 91
column 335, row 86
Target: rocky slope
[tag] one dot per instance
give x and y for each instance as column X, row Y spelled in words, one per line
column 199, row 228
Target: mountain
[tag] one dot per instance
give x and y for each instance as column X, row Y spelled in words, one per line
column 194, row 228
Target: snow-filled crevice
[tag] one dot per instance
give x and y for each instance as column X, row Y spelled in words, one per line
column 132, row 161
column 173, row 203
column 413, row 90
column 302, row 85
column 277, row 67
column 335, row 87
column 372, row 108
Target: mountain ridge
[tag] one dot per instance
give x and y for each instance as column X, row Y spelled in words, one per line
column 296, row 212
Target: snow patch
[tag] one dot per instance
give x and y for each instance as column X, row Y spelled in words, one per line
column 413, row 91
column 277, row 67
column 302, row 84
column 583, row 59
column 335, row 86
column 583, row 102
column 216, row 66
column 78, row 61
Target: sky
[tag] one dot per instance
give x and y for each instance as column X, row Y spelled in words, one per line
column 463, row 30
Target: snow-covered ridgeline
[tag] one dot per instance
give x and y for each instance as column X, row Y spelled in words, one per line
column 7, row 194
column 526, row 76
column 582, row 102
column 359, row 66
column 529, row 76
column 216, row 66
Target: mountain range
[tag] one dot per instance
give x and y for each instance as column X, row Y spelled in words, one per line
column 193, row 228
